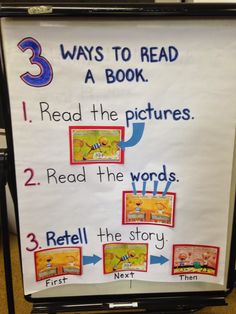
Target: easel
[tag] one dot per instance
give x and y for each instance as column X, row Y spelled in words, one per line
column 5, row 232
column 161, row 304
column 164, row 305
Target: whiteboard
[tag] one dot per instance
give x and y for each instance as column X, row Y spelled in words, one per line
column 124, row 136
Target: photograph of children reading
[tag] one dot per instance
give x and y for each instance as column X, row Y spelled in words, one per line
column 148, row 208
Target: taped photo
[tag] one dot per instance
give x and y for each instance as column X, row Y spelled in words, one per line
column 125, row 257
column 197, row 259
column 57, row 262
column 149, row 209
column 89, row 145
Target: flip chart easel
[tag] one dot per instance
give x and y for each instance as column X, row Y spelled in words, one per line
column 146, row 227
column 5, row 232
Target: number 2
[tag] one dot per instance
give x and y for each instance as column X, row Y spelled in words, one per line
column 31, row 175
column 45, row 76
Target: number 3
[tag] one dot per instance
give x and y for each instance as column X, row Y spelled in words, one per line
column 33, row 240
column 45, row 76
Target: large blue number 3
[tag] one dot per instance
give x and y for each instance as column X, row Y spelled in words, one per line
column 45, row 76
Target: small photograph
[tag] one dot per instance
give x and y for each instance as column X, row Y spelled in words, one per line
column 149, row 208
column 125, row 257
column 89, row 145
column 57, row 262
column 195, row 259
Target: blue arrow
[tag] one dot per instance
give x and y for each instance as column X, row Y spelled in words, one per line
column 155, row 188
column 144, row 187
column 91, row 259
column 134, row 188
column 158, row 259
column 168, row 184
column 138, row 129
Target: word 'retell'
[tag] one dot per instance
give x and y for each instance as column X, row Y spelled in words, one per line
column 67, row 238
